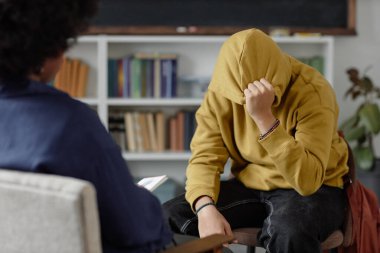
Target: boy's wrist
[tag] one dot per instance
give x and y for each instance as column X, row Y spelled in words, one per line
column 264, row 123
column 204, row 206
column 201, row 201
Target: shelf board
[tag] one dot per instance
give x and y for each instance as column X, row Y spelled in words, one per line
column 154, row 101
column 303, row 40
column 88, row 39
column 165, row 39
column 152, row 156
column 193, row 39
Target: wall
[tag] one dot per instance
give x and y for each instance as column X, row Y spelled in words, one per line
column 359, row 51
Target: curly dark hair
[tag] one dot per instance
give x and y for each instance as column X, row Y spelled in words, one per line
column 34, row 30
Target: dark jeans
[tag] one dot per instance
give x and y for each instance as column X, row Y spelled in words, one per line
column 289, row 221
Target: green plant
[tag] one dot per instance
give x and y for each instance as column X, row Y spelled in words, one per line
column 364, row 124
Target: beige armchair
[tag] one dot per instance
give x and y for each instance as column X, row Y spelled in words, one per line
column 47, row 213
column 42, row 213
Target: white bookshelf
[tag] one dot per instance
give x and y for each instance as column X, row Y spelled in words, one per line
column 196, row 57
column 154, row 102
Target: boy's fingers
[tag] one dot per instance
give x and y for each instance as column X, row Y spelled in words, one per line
column 267, row 84
column 261, row 87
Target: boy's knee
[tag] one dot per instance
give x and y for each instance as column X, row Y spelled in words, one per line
column 291, row 239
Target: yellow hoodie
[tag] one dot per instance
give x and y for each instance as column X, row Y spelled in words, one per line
column 303, row 153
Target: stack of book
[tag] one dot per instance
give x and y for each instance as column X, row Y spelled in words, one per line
column 145, row 131
column 72, row 77
column 181, row 130
column 143, row 75
column 152, row 131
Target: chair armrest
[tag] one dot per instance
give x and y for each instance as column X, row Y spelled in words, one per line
column 207, row 244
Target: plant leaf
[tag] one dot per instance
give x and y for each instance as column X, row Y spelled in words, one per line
column 349, row 123
column 364, row 157
column 367, row 84
column 354, row 133
column 355, row 94
column 370, row 117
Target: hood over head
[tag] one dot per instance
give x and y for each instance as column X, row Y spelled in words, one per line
column 247, row 56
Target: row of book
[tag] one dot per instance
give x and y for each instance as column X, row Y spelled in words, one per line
column 316, row 62
column 143, row 75
column 72, row 77
column 152, row 131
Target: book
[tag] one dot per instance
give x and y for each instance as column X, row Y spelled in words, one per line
column 112, row 77
column 160, row 131
column 149, row 65
column 64, row 74
column 173, row 134
column 180, row 131
column 82, row 80
column 130, row 132
column 190, row 125
column 144, row 132
column 58, row 79
column 120, row 78
column 137, row 130
column 152, row 131
column 136, row 78
column 157, row 78
column 151, row 183
column 74, row 76
column 127, row 76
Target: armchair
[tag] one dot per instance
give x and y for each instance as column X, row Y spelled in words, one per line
column 47, row 213
column 42, row 213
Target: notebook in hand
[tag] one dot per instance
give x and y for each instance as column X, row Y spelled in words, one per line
column 151, row 183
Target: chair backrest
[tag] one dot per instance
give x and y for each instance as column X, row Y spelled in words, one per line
column 47, row 213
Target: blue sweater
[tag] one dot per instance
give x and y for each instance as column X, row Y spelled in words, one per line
column 44, row 130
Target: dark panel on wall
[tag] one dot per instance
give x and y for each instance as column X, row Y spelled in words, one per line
column 220, row 16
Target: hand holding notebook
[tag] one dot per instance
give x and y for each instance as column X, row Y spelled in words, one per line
column 151, row 183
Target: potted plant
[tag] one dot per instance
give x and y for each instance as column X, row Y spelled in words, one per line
column 364, row 124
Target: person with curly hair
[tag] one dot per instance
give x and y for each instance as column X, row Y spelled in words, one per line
column 43, row 130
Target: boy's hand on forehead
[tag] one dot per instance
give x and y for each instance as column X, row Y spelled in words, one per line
column 259, row 97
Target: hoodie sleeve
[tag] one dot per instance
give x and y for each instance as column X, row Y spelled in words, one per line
column 302, row 159
column 209, row 155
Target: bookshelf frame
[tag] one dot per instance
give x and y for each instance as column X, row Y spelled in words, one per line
column 188, row 46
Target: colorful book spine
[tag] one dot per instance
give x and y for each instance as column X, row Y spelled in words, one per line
column 112, row 77
column 136, row 78
column 72, row 77
column 127, row 76
column 152, row 131
column 141, row 75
